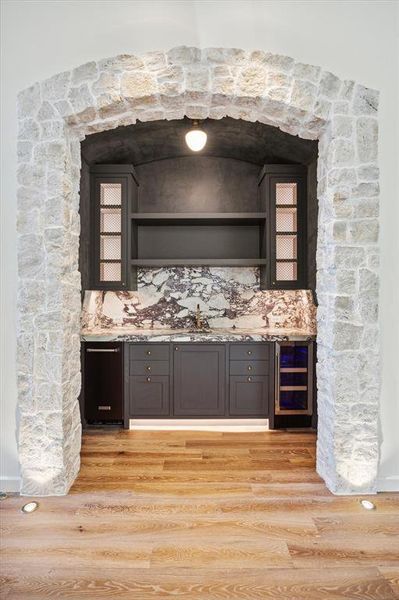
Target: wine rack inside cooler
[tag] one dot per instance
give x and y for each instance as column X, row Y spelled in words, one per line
column 294, row 378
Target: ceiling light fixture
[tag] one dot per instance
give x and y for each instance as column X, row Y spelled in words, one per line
column 196, row 138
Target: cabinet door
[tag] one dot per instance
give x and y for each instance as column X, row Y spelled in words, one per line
column 199, row 380
column 149, row 396
column 249, row 396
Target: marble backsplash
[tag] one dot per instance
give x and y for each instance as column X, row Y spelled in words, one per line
column 227, row 296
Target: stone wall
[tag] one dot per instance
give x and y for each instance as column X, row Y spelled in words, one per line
column 56, row 114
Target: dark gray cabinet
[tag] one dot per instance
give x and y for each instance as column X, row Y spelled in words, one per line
column 283, row 195
column 148, row 381
column 149, row 396
column 250, row 383
column 199, row 380
column 249, row 395
column 114, row 195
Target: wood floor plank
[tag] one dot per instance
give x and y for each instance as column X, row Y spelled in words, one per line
column 248, row 584
column 200, row 516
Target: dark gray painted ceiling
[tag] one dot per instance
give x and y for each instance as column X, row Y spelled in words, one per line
column 231, row 138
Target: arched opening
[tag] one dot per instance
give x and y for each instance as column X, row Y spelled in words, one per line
column 298, row 99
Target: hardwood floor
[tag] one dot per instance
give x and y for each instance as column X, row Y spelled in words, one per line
column 200, row 516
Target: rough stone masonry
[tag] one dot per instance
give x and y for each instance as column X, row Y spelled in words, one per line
column 56, row 114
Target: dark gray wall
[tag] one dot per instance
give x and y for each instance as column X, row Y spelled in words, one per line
column 198, row 184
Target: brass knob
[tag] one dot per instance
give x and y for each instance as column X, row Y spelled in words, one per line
column 249, row 352
column 249, row 368
column 249, row 378
column 148, row 379
column 176, row 347
column 148, row 352
column 148, row 368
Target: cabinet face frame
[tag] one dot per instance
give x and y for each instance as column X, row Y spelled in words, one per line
column 309, row 409
column 270, row 176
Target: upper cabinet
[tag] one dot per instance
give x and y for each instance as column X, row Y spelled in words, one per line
column 194, row 211
column 283, row 195
column 114, row 195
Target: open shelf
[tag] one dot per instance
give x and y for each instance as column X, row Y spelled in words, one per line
column 206, row 262
column 201, row 218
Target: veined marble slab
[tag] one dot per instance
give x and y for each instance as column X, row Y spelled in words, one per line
column 126, row 334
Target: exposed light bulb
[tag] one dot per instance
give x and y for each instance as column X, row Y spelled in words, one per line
column 196, row 138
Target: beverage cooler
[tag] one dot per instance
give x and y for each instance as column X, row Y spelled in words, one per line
column 294, row 384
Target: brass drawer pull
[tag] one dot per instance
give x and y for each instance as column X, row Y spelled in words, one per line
column 250, row 379
column 176, row 347
column 249, row 352
column 249, row 368
column 148, row 368
column 104, row 407
column 148, row 352
column 148, row 379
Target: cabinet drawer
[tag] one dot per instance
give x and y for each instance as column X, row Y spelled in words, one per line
column 149, row 367
column 149, row 352
column 249, row 396
column 249, row 367
column 149, row 396
column 249, row 351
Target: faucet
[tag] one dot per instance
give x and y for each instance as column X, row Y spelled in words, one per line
column 198, row 319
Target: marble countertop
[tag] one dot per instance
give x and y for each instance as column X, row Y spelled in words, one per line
column 130, row 334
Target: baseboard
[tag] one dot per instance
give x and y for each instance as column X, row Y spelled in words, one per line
column 388, row 484
column 10, row 484
column 226, row 425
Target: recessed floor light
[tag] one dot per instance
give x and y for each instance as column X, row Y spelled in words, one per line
column 367, row 504
column 30, row 507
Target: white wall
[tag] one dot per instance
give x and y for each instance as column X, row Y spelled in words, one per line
column 355, row 40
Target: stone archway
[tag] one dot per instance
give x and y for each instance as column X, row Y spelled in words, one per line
column 56, row 114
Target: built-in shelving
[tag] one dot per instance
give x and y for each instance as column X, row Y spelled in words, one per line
column 214, row 262
column 197, row 218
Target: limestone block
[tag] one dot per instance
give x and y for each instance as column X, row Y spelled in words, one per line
column 30, row 256
column 368, row 172
column 56, row 88
column 29, row 101
column 138, row 84
column 363, row 231
column 154, row 61
column 366, row 190
column 122, row 62
column 80, row 98
column 228, row 56
column 28, row 130
column 308, row 72
column 84, row 73
column 367, row 137
column 330, row 85
column 184, row 55
column 342, row 176
column 347, row 336
column 346, row 281
column 365, row 101
column 303, row 94
column 272, row 61
column 252, row 81
column 342, row 126
column 197, row 78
